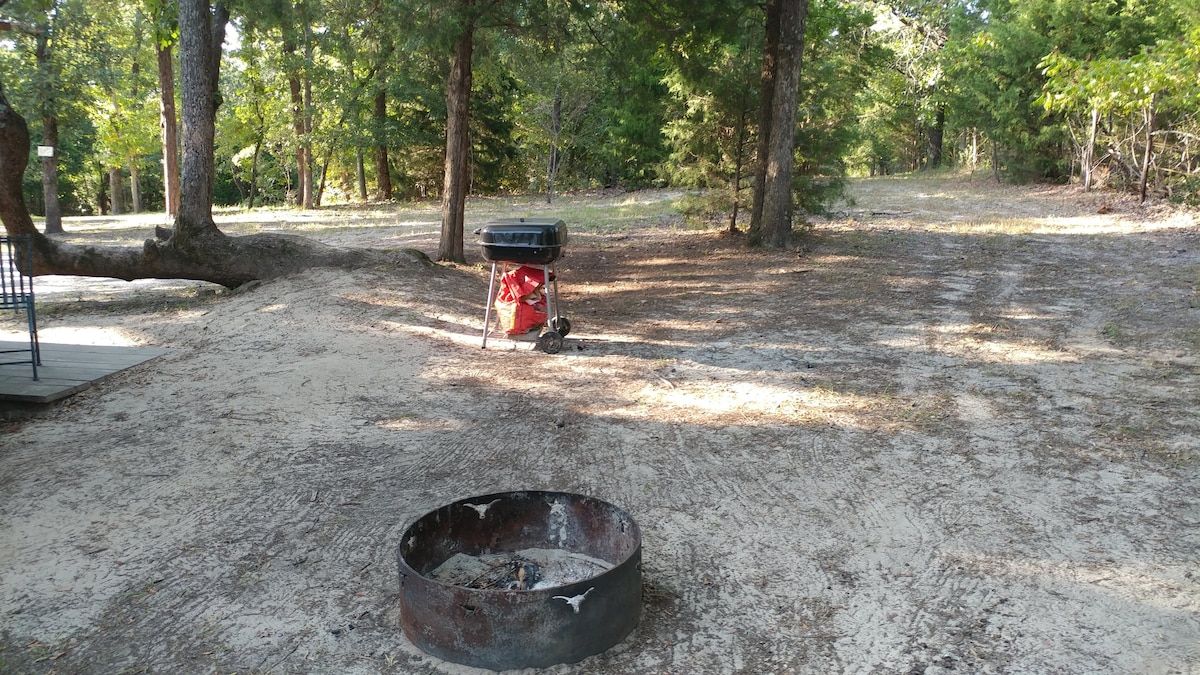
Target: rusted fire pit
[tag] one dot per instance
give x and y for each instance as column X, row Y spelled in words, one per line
column 520, row 579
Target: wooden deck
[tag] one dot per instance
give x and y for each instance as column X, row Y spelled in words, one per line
column 67, row 370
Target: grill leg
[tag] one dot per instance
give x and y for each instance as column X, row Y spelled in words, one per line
column 550, row 299
column 553, row 313
column 487, row 314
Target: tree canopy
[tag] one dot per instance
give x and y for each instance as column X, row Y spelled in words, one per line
column 323, row 102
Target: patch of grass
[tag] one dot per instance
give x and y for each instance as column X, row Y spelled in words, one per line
column 990, row 329
column 1114, row 334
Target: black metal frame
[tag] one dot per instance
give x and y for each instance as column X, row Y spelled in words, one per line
column 16, row 293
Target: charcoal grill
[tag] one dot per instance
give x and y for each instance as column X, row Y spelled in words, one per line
column 527, row 241
column 507, row 612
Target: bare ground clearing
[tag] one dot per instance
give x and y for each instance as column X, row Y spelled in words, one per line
column 958, row 432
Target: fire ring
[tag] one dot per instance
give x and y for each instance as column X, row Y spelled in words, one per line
column 520, row 579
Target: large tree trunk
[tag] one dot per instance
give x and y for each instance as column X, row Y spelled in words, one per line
column 766, row 94
column 936, row 138
column 455, row 185
column 14, row 156
column 383, row 172
column 49, row 137
column 198, row 75
column 116, row 186
column 776, row 222
column 170, row 127
column 53, row 207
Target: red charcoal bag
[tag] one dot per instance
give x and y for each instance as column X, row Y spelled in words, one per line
column 516, row 313
column 517, row 318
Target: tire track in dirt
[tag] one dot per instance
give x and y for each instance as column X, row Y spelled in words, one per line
column 911, row 580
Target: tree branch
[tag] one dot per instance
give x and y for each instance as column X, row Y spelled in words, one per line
column 7, row 25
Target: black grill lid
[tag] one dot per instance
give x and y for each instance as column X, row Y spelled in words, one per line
column 524, row 232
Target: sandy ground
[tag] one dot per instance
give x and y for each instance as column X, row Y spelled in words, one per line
column 959, row 431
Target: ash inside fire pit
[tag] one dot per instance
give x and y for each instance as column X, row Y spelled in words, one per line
column 520, row 579
column 530, row 569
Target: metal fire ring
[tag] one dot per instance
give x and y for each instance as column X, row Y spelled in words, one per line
column 514, row 622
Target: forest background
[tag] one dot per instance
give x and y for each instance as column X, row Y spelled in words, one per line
column 330, row 102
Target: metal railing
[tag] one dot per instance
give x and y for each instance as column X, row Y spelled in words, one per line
column 16, row 294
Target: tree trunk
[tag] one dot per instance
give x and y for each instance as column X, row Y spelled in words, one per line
column 974, row 149
column 102, row 204
column 299, row 89
column 936, row 137
column 776, row 227
column 996, row 161
column 455, row 185
column 49, row 136
column 254, row 172
column 383, row 171
column 320, row 191
column 766, row 95
column 555, row 131
column 242, row 188
column 360, row 175
column 303, row 174
column 14, row 156
column 50, row 177
column 135, row 193
column 116, row 186
column 1088, row 156
column 739, row 164
column 307, row 118
column 1148, row 154
column 199, row 80
column 170, row 127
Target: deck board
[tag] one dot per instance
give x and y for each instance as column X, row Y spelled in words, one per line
column 66, row 369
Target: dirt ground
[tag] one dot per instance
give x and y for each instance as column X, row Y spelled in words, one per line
column 958, row 431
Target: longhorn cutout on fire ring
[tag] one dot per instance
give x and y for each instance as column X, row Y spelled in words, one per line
column 575, row 600
column 481, row 509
